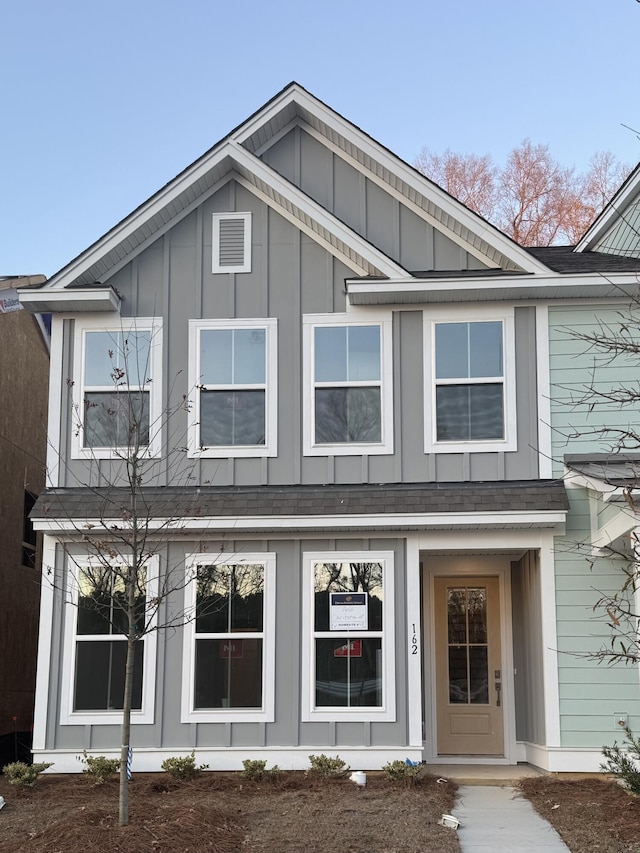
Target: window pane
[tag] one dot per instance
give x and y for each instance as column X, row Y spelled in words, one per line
column 349, row 672
column 348, row 415
column 364, row 353
column 478, row 675
column 477, row 604
column 458, row 689
column 249, row 357
column 457, row 616
column 229, row 598
column 469, row 412
column 99, row 675
column 232, row 418
column 107, row 353
column 228, row 673
column 102, row 602
column 452, row 350
column 330, row 354
column 348, row 577
column 216, row 351
column 485, row 348
column 116, row 419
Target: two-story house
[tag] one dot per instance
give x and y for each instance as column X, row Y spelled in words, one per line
column 371, row 500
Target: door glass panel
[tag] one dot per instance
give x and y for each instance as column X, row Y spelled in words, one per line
column 457, row 615
column 477, row 606
column 467, row 637
column 478, row 676
column 458, row 676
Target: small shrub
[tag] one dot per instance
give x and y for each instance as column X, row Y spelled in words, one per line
column 183, row 768
column 24, row 775
column 623, row 762
column 400, row 771
column 323, row 765
column 99, row 767
column 257, row 770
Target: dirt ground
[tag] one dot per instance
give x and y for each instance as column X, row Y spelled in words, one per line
column 224, row 813
column 591, row 815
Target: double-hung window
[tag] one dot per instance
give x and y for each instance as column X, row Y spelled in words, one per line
column 348, row 385
column 348, row 636
column 117, row 390
column 96, row 643
column 472, row 400
column 235, row 371
column 229, row 644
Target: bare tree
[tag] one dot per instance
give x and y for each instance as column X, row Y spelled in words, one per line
column 532, row 198
column 116, row 588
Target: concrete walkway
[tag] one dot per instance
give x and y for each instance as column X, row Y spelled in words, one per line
column 499, row 820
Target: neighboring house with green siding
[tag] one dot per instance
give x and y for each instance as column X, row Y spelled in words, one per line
column 378, row 500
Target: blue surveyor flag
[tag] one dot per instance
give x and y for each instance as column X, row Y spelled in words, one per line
column 129, row 757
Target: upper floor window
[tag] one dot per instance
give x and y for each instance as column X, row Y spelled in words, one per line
column 235, row 364
column 472, row 400
column 229, row 644
column 231, row 242
column 348, row 386
column 117, row 388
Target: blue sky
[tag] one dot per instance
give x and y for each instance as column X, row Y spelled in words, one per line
column 102, row 104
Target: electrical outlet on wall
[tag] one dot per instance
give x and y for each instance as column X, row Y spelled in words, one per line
column 621, row 720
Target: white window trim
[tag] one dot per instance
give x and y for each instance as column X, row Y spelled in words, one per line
column 387, row 711
column 125, row 325
column 69, row 717
column 270, row 446
column 216, row 267
column 265, row 714
column 478, row 314
column 385, row 446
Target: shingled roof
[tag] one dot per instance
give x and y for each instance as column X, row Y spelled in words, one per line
column 564, row 259
column 72, row 506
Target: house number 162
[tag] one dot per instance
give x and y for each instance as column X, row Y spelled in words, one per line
column 414, row 640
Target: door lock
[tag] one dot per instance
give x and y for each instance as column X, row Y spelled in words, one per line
column 498, row 689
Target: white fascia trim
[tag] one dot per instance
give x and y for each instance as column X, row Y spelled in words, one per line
column 45, row 642
column 622, row 523
column 543, row 383
column 230, row 758
column 266, row 714
column 465, row 314
column 492, row 521
column 611, row 213
column 395, row 165
column 513, row 288
column 314, row 211
column 69, row 717
column 96, row 298
column 270, row 446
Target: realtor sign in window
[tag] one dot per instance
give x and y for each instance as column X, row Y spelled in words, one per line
column 348, row 611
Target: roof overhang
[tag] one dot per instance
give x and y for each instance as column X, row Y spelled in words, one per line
column 486, row 288
column 285, row 524
column 611, row 212
column 92, row 298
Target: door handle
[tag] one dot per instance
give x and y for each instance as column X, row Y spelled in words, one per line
column 498, row 688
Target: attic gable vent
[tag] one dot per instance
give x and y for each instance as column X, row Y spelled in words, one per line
column 231, row 242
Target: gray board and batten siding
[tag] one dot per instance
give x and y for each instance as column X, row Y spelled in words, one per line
column 292, row 276
column 287, row 730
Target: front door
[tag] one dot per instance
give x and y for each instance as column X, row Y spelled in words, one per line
column 468, row 655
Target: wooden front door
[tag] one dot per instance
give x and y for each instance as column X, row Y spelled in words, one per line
column 469, row 704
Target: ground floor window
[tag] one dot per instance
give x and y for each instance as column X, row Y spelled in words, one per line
column 348, row 635
column 229, row 641
column 96, row 642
